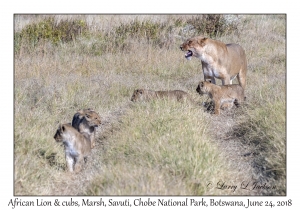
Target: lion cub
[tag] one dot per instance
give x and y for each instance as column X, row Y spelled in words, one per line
column 146, row 95
column 85, row 121
column 77, row 146
column 232, row 94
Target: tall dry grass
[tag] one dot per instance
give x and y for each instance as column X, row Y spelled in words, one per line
column 156, row 148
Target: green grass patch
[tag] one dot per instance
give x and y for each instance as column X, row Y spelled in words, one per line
column 49, row 30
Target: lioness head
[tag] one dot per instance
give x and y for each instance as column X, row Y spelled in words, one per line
column 137, row 95
column 202, row 88
column 193, row 46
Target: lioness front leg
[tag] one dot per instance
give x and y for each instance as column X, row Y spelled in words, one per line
column 226, row 81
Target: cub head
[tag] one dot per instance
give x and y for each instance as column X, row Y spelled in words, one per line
column 203, row 87
column 193, row 46
column 93, row 119
column 62, row 132
column 137, row 95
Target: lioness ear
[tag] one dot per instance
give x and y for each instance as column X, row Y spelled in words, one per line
column 202, row 41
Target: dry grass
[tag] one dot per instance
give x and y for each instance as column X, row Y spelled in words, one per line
column 156, row 148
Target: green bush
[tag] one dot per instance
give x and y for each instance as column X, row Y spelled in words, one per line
column 145, row 29
column 213, row 25
column 49, row 30
column 121, row 37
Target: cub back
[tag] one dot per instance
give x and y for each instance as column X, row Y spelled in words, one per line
column 85, row 120
column 145, row 95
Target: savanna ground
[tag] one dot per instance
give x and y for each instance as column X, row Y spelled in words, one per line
column 67, row 62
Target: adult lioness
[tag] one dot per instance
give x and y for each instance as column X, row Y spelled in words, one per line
column 225, row 94
column 77, row 146
column 219, row 60
column 85, row 121
column 145, row 95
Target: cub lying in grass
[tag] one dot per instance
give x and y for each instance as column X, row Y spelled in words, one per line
column 146, row 95
column 224, row 94
column 77, row 146
column 85, row 121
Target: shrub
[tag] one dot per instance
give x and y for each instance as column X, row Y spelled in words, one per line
column 139, row 29
column 49, row 30
column 213, row 25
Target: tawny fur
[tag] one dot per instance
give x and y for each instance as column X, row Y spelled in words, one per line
column 85, row 121
column 146, row 95
column 225, row 94
column 77, row 146
column 219, row 60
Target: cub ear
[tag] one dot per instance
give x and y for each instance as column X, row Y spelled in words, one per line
column 141, row 91
column 63, row 128
column 59, row 126
column 87, row 115
column 201, row 84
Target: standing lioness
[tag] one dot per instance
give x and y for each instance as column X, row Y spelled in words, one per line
column 232, row 94
column 145, row 95
column 219, row 60
column 77, row 145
